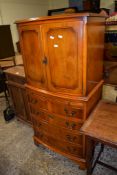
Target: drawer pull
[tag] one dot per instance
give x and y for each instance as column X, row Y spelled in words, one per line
column 73, row 125
column 73, row 113
column 70, row 138
column 34, row 101
column 70, row 114
column 51, row 116
column 70, row 125
column 67, row 124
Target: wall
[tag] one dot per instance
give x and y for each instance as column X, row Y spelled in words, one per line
column 12, row 10
column 55, row 4
column 107, row 4
column 65, row 3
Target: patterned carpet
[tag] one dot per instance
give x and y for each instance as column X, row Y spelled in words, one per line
column 19, row 155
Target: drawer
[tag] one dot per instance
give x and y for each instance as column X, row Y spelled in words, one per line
column 60, row 107
column 63, row 146
column 67, row 123
column 15, row 79
column 67, row 109
column 37, row 101
column 39, row 114
column 59, row 133
column 53, row 119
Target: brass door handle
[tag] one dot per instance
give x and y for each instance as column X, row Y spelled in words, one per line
column 45, row 61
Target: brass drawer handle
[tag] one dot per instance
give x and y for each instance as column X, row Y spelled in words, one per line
column 34, row 101
column 71, row 138
column 73, row 113
column 70, row 125
column 69, row 114
column 73, row 125
column 51, row 116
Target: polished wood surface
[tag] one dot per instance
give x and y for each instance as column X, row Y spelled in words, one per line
column 62, row 56
column 31, row 43
column 57, row 115
column 15, row 82
column 16, row 70
column 46, row 51
column 64, row 16
column 102, row 124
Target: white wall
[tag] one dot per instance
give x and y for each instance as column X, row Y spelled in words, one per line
column 55, row 4
column 65, row 3
column 12, row 10
column 107, row 4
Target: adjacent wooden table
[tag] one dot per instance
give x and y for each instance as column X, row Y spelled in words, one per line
column 16, row 81
column 101, row 126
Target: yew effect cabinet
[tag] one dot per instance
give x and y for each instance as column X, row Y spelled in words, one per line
column 63, row 60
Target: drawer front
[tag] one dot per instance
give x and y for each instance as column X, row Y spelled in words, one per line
column 38, row 114
column 53, row 119
column 57, row 132
column 63, row 146
column 16, row 79
column 53, row 105
column 67, row 109
column 39, row 102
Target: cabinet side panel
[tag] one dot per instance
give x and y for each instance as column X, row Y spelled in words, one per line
column 95, row 50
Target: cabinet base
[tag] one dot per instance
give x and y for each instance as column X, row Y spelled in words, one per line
column 81, row 162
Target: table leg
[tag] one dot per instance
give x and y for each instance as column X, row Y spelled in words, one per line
column 89, row 155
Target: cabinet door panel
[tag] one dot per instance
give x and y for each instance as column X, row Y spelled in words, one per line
column 18, row 103
column 63, row 48
column 33, row 55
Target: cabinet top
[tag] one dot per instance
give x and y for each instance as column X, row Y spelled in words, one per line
column 17, row 70
column 62, row 16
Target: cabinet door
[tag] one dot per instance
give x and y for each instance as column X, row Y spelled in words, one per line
column 32, row 51
column 63, row 45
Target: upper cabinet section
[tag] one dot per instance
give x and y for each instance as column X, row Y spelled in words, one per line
column 63, row 54
column 63, row 45
column 32, row 50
